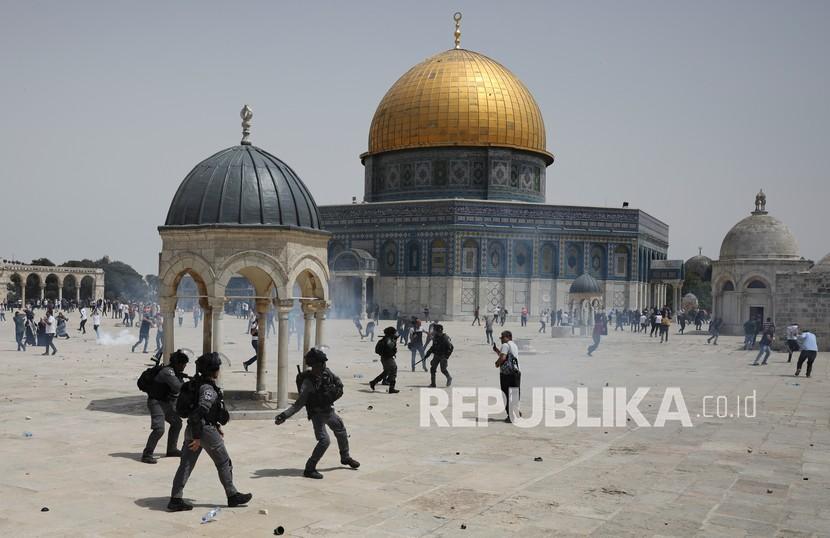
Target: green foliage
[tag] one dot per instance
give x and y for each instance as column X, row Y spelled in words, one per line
column 43, row 261
column 121, row 281
column 700, row 288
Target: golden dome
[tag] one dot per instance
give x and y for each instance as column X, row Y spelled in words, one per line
column 458, row 98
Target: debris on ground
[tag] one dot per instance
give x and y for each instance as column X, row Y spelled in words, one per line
column 44, row 509
column 537, row 458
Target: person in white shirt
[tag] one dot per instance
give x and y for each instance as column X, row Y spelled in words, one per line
column 809, row 351
column 96, row 322
column 84, row 316
column 51, row 327
column 509, row 374
column 792, row 340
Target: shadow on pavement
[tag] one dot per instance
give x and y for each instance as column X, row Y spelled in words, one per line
column 136, row 456
column 123, row 405
column 274, row 473
column 159, row 504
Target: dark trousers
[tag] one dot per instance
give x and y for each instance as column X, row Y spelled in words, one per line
column 792, row 345
column 664, row 333
column 319, row 421
column 593, row 347
column 21, row 341
column 390, row 372
column 507, row 382
column 713, row 337
column 82, row 328
column 809, row 356
column 476, row 320
column 489, row 335
column 433, row 368
column 142, row 338
column 252, row 359
column 48, row 339
column 214, row 445
column 161, row 412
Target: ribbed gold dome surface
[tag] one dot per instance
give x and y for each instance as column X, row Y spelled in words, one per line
column 458, row 98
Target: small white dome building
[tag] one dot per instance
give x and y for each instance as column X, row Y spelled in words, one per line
column 752, row 253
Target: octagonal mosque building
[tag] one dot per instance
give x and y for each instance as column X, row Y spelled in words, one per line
column 454, row 217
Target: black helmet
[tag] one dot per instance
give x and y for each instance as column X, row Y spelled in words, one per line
column 438, row 327
column 390, row 331
column 209, row 362
column 315, row 356
column 178, row 357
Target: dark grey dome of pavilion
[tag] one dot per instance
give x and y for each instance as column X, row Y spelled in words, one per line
column 585, row 284
column 245, row 186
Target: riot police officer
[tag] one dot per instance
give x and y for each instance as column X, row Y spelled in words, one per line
column 161, row 401
column 319, row 389
column 205, row 418
column 440, row 350
column 387, row 348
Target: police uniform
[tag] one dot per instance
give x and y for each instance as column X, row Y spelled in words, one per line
column 161, row 401
column 387, row 348
column 321, row 414
column 441, row 350
column 204, row 423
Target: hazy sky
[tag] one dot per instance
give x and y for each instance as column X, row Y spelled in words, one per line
column 685, row 109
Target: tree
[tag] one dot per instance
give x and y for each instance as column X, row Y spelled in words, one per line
column 700, row 288
column 121, row 281
column 152, row 282
column 43, row 261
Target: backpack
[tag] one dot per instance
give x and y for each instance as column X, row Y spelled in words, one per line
column 146, row 381
column 188, row 398
column 511, row 365
column 386, row 347
column 326, row 393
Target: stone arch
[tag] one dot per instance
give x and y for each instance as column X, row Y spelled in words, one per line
column 87, row 286
column 311, row 276
column 51, row 285
column 32, row 284
column 262, row 270
column 18, row 284
column 754, row 278
column 187, row 263
column 69, row 291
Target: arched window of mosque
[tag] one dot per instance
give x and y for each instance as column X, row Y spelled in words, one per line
column 438, row 257
column 756, row 284
column 728, row 286
column 598, row 261
column 414, row 257
column 572, row 260
column 390, row 256
column 496, row 257
column 469, row 256
column 522, row 257
column 621, row 261
column 547, row 259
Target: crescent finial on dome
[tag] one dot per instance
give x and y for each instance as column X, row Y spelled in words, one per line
column 457, row 18
column 246, row 114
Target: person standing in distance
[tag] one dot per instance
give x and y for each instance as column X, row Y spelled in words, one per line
column 204, row 431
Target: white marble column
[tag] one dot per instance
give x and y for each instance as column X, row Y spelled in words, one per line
column 262, row 306
column 320, row 317
column 283, row 308
column 217, row 313
column 168, row 312
column 362, row 298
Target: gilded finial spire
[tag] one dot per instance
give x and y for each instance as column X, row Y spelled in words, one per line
column 457, row 18
column 246, row 114
column 700, row 251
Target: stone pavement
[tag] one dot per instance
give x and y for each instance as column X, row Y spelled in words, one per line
column 762, row 476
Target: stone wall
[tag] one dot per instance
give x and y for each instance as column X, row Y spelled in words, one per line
column 804, row 298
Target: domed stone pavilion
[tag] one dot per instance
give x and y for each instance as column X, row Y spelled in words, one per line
column 753, row 252
column 243, row 211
